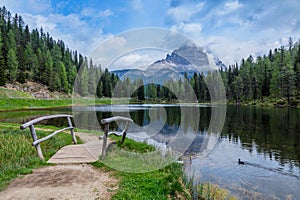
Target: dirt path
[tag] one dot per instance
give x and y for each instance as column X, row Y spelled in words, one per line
column 62, row 182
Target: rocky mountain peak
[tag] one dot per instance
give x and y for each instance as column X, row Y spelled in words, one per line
column 187, row 59
column 188, row 54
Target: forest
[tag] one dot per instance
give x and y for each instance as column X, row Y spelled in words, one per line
column 33, row 55
column 274, row 76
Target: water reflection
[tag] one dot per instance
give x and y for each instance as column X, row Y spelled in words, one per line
column 267, row 139
column 22, row 116
column 275, row 133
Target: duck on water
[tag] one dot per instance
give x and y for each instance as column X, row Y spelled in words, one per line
column 241, row 162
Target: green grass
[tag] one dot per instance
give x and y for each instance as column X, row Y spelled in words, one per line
column 136, row 157
column 164, row 183
column 18, row 103
column 270, row 102
column 160, row 184
column 18, row 157
column 168, row 182
column 6, row 93
column 206, row 191
column 30, row 103
column 131, row 145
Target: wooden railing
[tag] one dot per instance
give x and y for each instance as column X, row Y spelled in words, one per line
column 36, row 142
column 106, row 123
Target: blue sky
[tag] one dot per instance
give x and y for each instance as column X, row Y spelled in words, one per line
column 232, row 29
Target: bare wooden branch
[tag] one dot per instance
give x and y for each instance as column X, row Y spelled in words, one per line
column 115, row 133
column 105, row 140
column 107, row 121
column 125, row 132
column 36, row 141
column 72, row 130
column 50, row 136
column 37, row 146
column 34, row 121
column 113, row 119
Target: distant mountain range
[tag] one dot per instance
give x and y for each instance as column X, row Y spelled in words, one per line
column 186, row 59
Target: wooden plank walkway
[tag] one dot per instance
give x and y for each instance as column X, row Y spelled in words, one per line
column 80, row 153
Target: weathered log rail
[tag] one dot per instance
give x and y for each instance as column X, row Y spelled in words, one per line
column 36, row 142
column 106, row 123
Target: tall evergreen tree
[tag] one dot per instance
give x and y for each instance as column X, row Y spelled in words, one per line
column 31, row 62
column 2, row 67
column 63, row 78
column 141, row 90
column 12, row 65
column 12, row 59
column 21, row 67
column 83, row 79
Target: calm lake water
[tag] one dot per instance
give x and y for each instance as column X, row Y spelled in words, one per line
column 266, row 139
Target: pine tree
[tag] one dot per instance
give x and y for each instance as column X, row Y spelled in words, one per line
column 56, row 84
column 2, row 67
column 21, row 67
column 47, row 69
column 202, row 87
column 141, row 90
column 12, row 65
column 287, row 82
column 297, row 69
column 238, row 88
column 196, row 86
column 267, row 77
column 31, row 62
column 92, row 85
column 106, row 84
column 274, row 84
column 12, row 59
column 83, row 79
column 63, row 78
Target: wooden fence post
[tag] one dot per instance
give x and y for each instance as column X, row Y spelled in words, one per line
column 125, row 132
column 72, row 130
column 106, row 128
column 37, row 146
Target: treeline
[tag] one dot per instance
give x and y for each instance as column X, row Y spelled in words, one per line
column 35, row 56
column 199, row 88
column 275, row 76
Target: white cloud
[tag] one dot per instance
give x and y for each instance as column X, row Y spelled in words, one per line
column 188, row 28
column 91, row 12
column 137, row 5
column 105, row 13
column 109, row 50
column 34, row 6
column 38, row 21
column 233, row 29
column 185, row 12
column 133, row 61
column 76, row 33
column 87, row 12
column 230, row 7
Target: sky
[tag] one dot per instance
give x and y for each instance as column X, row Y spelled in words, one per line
column 231, row 29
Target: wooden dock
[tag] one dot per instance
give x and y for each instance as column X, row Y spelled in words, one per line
column 79, row 153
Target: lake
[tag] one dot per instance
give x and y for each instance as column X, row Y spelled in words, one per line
column 267, row 140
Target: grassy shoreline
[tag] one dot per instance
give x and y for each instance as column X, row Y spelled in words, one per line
column 13, row 104
column 11, row 100
column 19, row 158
